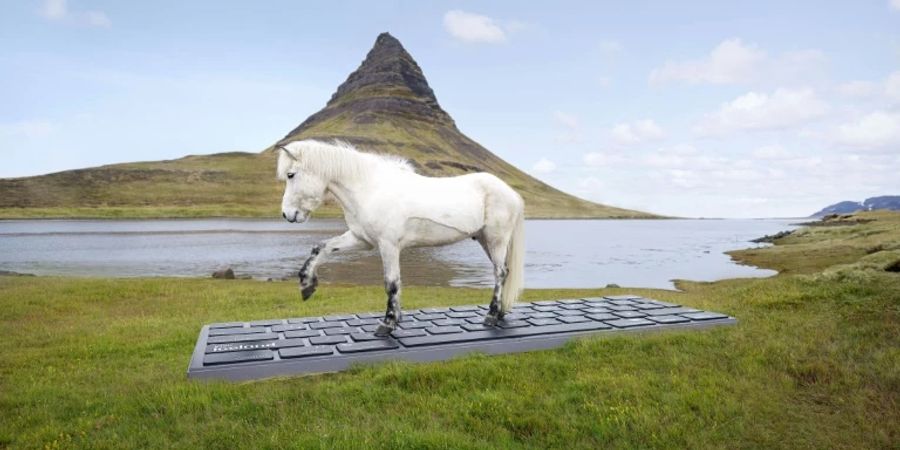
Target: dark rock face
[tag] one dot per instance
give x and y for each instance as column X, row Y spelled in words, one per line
column 388, row 82
column 891, row 202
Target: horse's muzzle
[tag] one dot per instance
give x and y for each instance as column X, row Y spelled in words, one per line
column 296, row 217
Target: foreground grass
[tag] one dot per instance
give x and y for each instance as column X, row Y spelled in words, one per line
column 813, row 363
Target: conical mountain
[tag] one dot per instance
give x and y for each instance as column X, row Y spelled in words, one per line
column 385, row 106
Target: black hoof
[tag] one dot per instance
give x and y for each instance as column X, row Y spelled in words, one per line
column 490, row 321
column 307, row 290
column 384, row 330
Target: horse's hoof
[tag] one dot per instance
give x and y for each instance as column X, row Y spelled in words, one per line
column 384, row 330
column 490, row 321
column 307, row 292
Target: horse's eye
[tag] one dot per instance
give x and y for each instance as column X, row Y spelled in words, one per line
column 290, row 175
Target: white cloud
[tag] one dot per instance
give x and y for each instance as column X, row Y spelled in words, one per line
column 729, row 62
column 892, row 85
column 874, row 130
column 636, row 132
column 567, row 120
column 734, row 62
column 770, row 152
column 474, row 28
column 571, row 124
column 28, row 129
column 543, row 166
column 54, row 9
column 895, row 5
column 602, row 159
column 858, row 88
column 58, row 11
column 759, row 111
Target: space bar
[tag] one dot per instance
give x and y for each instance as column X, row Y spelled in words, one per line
column 501, row 333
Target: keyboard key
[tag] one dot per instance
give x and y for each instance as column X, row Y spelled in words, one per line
column 232, row 331
column 571, row 301
column 289, row 327
column 462, row 314
column 285, row 343
column 513, row 324
column 327, row 340
column 444, row 330
column 629, row 314
column 322, row 325
column 411, row 333
column 302, row 352
column 242, row 346
column 447, row 322
column 573, row 319
column 602, row 316
column 418, row 324
column 304, row 320
column 542, row 322
column 545, row 303
column 237, row 357
column 704, row 316
column 241, row 338
column 502, row 333
column 360, row 337
column 302, row 333
column 338, row 318
column 383, row 344
column 466, row 308
column 341, row 330
column 668, row 319
column 628, row 323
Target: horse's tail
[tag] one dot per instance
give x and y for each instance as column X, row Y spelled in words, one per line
column 515, row 265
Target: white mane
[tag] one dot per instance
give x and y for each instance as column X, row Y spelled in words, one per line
column 337, row 159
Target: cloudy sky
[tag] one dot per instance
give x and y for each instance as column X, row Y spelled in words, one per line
column 693, row 109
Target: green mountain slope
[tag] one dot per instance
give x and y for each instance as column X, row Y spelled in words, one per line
column 384, row 106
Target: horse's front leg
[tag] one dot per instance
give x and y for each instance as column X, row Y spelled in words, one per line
column 308, row 278
column 390, row 258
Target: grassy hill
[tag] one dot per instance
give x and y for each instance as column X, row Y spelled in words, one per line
column 384, row 106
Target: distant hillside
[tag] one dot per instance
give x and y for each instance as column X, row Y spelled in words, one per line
column 384, row 106
column 889, row 202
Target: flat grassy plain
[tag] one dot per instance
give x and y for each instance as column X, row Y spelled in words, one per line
column 814, row 362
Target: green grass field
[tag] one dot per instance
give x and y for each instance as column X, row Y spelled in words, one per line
column 814, row 362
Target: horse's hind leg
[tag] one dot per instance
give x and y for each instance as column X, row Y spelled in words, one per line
column 497, row 253
column 390, row 258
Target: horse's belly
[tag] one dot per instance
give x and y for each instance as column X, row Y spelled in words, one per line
column 426, row 232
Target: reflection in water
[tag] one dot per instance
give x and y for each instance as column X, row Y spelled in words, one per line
column 560, row 253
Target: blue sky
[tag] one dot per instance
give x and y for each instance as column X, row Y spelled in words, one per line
column 693, row 109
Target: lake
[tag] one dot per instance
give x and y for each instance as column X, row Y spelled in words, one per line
column 560, row 253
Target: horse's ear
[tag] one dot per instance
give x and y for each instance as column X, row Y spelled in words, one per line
column 287, row 152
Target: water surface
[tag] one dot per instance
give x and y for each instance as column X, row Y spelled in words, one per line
column 560, row 253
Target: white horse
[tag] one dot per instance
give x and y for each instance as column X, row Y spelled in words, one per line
column 388, row 206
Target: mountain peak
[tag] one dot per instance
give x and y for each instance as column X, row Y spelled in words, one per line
column 387, row 69
column 388, row 83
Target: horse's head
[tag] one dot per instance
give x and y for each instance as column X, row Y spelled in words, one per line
column 303, row 189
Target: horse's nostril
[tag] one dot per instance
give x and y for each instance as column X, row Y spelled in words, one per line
column 284, row 215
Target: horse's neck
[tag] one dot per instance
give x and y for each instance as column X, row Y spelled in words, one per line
column 346, row 184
